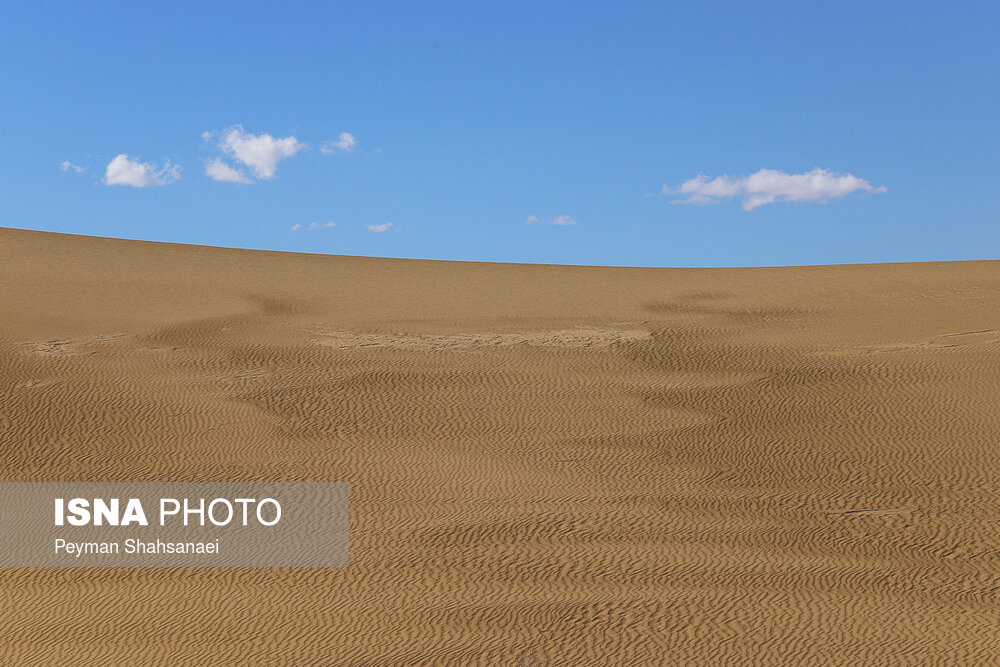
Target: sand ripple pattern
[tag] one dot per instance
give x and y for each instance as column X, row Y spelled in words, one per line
column 579, row 337
column 766, row 466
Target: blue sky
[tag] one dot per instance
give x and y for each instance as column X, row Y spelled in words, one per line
column 470, row 119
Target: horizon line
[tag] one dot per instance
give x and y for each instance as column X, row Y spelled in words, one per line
column 505, row 263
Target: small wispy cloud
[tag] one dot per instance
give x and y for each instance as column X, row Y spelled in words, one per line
column 378, row 229
column 345, row 143
column 69, row 166
column 770, row 185
column 315, row 225
column 123, row 170
column 261, row 153
column 558, row 220
column 218, row 170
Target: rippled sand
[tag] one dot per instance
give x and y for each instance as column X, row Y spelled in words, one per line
column 548, row 465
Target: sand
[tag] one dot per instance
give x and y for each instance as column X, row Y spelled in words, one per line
column 549, row 465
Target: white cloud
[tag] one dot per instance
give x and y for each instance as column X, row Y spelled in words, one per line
column 315, row 225
column 218, row 170
column 770, row 185
column 378, row 229
column 260, row 152
column 345, row 143
column 67, row 166
column 558, row 220
column 124, row 171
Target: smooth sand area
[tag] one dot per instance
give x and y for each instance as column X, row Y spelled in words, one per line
column 549, row 465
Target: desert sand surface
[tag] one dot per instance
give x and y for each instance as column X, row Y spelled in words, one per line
column 549, row 465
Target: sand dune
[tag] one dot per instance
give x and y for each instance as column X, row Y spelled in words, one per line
column 548, row 465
